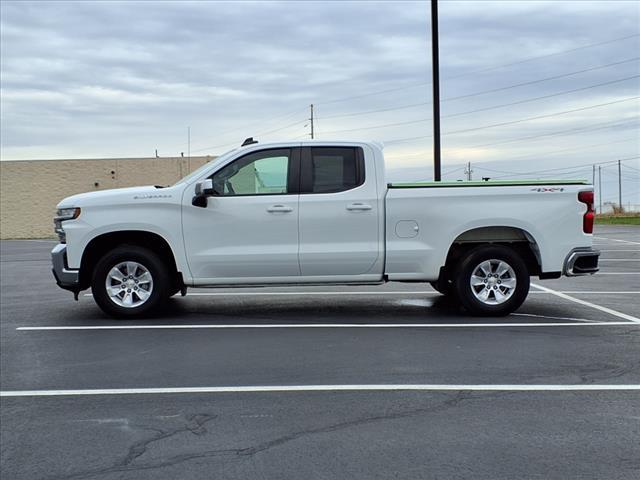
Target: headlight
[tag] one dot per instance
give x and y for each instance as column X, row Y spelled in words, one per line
column 67, row 213
column 61, row 215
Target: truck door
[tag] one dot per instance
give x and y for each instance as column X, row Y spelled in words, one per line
column 248, row 231
column 339, row 234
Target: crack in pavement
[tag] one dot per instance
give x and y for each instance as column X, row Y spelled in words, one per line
column 196, row 424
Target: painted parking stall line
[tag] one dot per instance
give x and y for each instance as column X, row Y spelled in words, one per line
column 618, row 273
column 578, row 323
column 620, row 250
column 323, row 388
column 619, row 260
column 610, row 311
column 617, row 240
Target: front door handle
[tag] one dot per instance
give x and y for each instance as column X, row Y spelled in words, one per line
column 358, row 207
column 279, row 209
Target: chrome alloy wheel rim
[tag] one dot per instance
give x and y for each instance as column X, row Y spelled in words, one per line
column 493, row 282
column 129, row 284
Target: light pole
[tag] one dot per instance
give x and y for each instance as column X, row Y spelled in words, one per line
column 435, row 65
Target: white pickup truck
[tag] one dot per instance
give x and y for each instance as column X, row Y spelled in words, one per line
column 316, row 212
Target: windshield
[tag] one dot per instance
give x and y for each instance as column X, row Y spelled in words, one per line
column 198, row 171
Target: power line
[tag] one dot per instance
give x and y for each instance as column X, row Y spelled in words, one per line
column 548, row 154
column 597, row 126
column 371, row 127
column 549, row 115
column 245, row 128
column 474, row 72
column 493, row 90
column 454, row 132
column 541, row 155
column 548, row 55
column 572, row 167
column 527, row 100
column 555, row 77
column 258, row 134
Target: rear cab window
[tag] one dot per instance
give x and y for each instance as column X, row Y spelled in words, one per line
column 331, row 169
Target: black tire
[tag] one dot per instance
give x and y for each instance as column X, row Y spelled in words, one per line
column 157, row 269
column 469, row 265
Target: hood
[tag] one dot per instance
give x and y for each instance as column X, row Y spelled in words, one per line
column 115, row 196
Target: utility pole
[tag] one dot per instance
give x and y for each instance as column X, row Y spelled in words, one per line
column 593, row 182
column 620, row 186
column 435, row 66
column 600, row 187
column 311, row 119
column 189, row 148
column 468, row 171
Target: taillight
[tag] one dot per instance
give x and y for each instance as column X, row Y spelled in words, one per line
column 587, row 220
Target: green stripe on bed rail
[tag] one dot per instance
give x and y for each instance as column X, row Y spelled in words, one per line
column 490, row 183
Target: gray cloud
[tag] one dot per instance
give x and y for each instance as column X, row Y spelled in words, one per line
column 99, row 79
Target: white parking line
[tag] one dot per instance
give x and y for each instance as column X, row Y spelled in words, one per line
column 325, row 388
column 317, row 325
column 553, row 318
column 618, row 240
column 588, row 304
column 589, row 292
column 620, row 250
column 619, row 260
column 618, row 273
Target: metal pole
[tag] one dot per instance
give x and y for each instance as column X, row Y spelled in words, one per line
column 311, row 120
column 593, row 182
column 435, row 66
column 189, row 148
column 600, row 187
column 619, row 186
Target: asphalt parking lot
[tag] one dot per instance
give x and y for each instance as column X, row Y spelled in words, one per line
column 323, row 382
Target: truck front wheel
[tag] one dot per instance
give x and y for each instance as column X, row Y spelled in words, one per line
column 492, row 280
column 130, row 281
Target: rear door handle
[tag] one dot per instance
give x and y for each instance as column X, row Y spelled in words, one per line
column 279, row 209
column 358, row 207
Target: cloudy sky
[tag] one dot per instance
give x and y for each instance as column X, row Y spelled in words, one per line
column 535, row 88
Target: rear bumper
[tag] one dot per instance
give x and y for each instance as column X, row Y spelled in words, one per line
column 65, row 278
column 581, row 261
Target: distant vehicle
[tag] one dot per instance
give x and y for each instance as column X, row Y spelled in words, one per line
column 316, row 212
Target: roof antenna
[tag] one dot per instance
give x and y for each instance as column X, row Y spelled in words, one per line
column 249, row 141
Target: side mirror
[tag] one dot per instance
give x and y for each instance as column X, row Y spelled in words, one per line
column 204, row 189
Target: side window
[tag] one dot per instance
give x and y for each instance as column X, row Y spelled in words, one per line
column 334, row 169
column 259, row 173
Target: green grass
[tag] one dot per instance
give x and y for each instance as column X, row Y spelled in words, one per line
column 624, row 219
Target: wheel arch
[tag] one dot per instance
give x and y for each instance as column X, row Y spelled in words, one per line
column 105, row 242
column 516, row 238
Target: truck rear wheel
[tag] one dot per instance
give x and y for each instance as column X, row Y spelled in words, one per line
column 492, row 280
column 130, row 281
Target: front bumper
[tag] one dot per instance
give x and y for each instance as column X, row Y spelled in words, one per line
column 581, row 261
column 65, row 278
